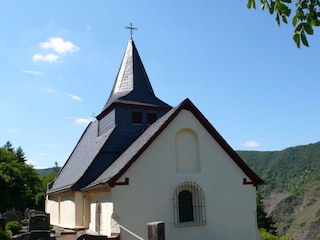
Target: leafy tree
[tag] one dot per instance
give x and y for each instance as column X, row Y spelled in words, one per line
column 18, row 182
column 264, row 222
column 305, row 18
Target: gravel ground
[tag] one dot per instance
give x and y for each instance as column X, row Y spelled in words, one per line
column 67, row 237
column 66, row 234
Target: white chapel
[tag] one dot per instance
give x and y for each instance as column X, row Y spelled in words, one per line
column 142, row 160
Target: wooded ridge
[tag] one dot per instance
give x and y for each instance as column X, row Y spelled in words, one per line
column 291, row 188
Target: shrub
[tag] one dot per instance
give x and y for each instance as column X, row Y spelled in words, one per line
column 4, row 235
column 268, row 236
column 13, row 226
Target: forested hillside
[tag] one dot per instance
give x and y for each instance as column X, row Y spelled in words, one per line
column 48, row 171
column 291, row 189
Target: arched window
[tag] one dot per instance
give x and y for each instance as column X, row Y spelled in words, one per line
column 185, row 206
column 189, row 205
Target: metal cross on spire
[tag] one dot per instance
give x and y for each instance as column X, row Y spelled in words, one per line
column 131, row 29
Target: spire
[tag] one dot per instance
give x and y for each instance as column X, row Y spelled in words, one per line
column 132, row 84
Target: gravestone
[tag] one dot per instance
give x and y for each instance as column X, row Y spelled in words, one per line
column 39, row 226
column 39, row 222
column 12, row 216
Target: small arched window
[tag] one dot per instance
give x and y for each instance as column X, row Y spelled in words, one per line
column 185, row 206
column 189, row 205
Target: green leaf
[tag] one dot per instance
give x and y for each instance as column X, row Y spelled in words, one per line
column 299, row 28
column 251, row 4
column 283, row 9
column 312, row 21
column 278, row 19
column 304, row 39
column 308, row 29
column 271, row 7
column 295, row 20
column 304, row 3
column 296, row 38
column 284, row 19
column 266, row 3
column 300, row 14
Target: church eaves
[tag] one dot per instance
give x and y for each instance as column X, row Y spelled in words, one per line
column 132, row 85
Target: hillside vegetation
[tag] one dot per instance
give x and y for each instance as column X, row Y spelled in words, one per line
column 48, row 171
column 291, row 189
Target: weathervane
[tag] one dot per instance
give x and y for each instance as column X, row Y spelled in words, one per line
column 131, row 29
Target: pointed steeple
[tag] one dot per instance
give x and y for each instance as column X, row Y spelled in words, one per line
column 132, row 85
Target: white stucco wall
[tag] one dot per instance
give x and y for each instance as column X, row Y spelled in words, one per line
column 52, row 207
column 102, row 197
column 79, row 210
column 230, row 205
column 66, row 209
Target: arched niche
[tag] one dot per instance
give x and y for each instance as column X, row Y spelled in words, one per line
column 187, row 151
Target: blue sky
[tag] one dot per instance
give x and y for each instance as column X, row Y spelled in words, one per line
column 59, row 60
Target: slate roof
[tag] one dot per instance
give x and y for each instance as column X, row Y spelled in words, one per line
column 118, row 168
column 87, row 148
column 132, row 85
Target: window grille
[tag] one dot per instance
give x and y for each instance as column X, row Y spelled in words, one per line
column 189, row 205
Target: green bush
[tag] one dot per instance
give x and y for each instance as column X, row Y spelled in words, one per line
column 13, row 226
column 268, row 236
column 4, row 235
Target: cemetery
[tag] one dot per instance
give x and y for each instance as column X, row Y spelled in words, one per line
column 32, row 225
column 35, row 225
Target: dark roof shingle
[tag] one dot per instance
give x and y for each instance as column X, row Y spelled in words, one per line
column 80, row 159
